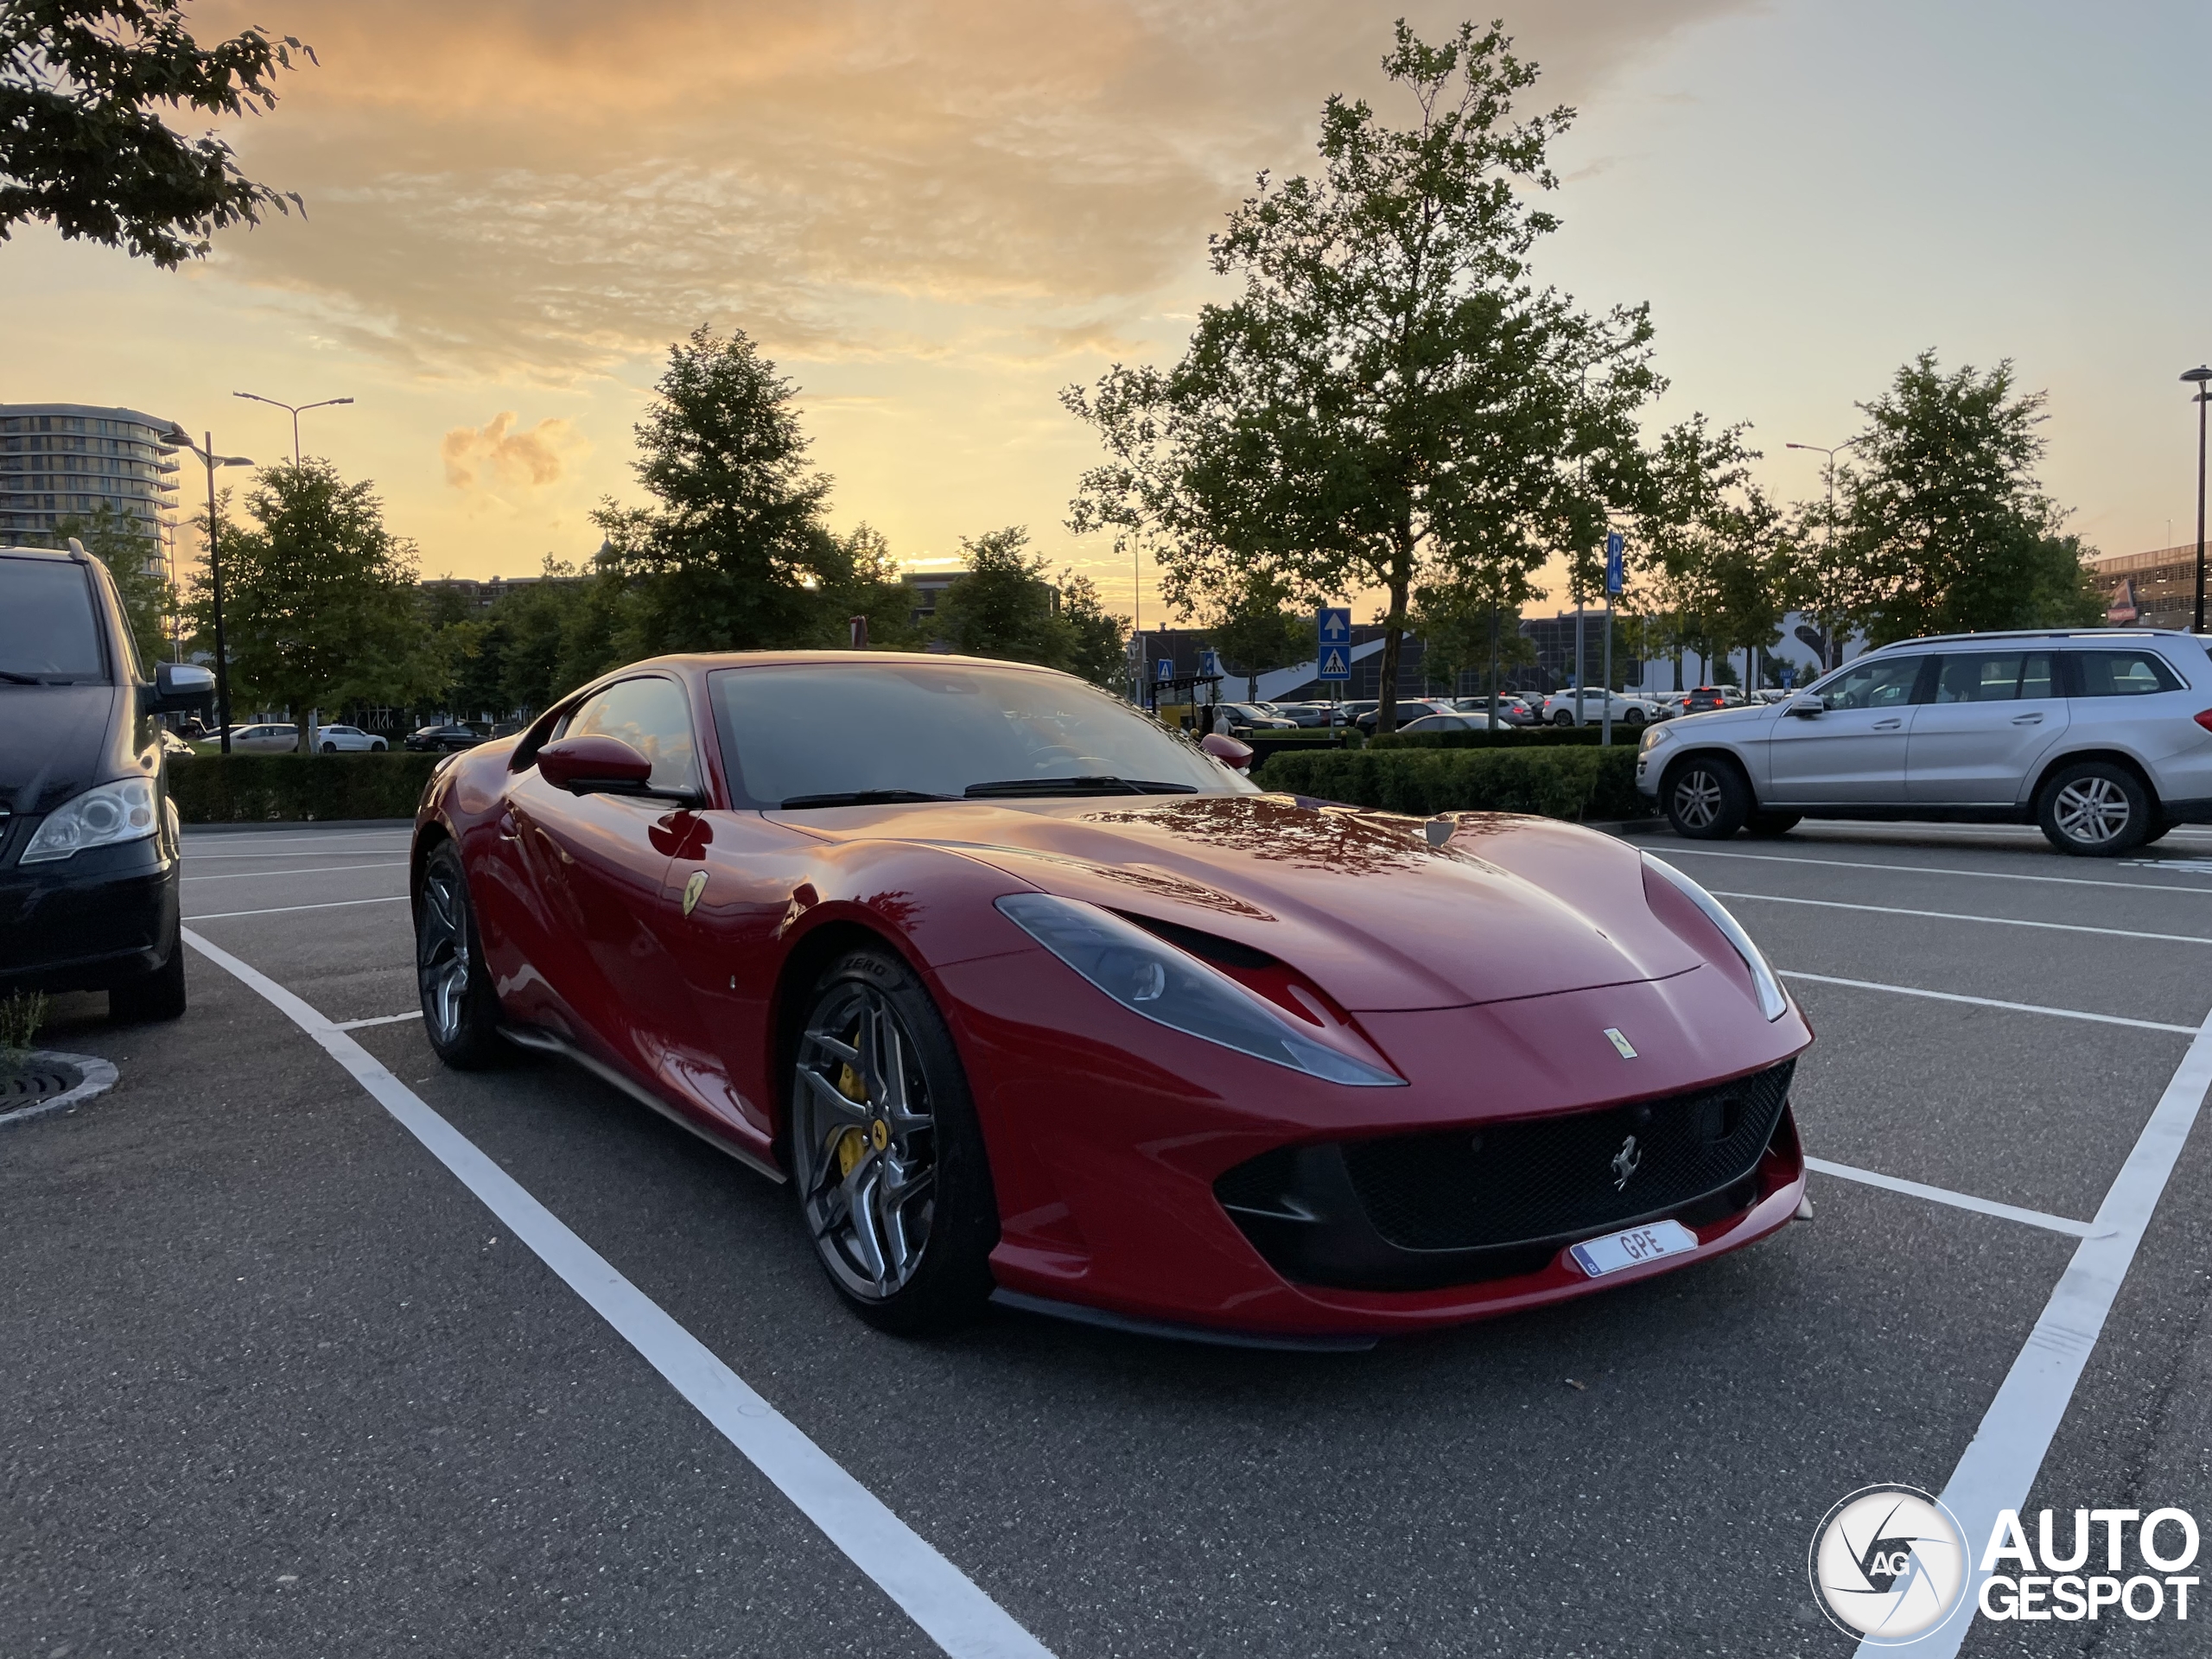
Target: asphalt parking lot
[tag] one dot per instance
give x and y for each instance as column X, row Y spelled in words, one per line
column 275, row 1380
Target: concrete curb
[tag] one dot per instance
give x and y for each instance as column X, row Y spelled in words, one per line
column 98, row 1075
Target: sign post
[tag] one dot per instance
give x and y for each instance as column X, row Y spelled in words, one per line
column 1333, row 657
column 1616, row 579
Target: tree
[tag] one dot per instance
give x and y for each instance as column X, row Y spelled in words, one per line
column 132, row 558
column 82, row 146
column 1942, row 510
column 1002, row 605
column 1256, row 631
column 1391, row 400
column 1096, row 639
column 320, row 604
column 1463, row 628
column 866, row 583
column 734, row 556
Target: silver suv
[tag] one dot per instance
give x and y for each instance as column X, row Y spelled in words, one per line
column 2103, row 739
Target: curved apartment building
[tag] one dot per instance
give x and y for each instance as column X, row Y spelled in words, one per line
column 65, row 460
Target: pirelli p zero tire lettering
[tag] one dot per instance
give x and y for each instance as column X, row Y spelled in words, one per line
column 1705, row 797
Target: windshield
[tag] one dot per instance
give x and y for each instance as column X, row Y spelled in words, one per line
column 824, row 733
column 49, row 634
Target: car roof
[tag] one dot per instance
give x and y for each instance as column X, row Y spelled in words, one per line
column 50, row 555
column 2008, row 635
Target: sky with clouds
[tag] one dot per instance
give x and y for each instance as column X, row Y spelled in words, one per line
column 934, row 213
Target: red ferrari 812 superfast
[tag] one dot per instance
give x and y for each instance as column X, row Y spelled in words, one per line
column 1028, row 998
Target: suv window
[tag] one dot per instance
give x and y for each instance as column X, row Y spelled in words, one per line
column 2120, row 674
column 1885, row 682
column 652, row 717
column 1994, row 677
column 49, row 628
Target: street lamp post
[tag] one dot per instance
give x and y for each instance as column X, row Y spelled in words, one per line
column 2197, row 377
column 1828, row 637
column 295, row 409
column 210, row 460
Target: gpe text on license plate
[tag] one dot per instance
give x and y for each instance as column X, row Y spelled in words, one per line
column 1600, row 1256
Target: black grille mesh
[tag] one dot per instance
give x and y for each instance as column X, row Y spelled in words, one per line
column 1548, row 1177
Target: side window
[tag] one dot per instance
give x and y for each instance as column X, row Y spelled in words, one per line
column 2121, row 674
column 1885, row 683
column 1994, row 677
column 650, row 715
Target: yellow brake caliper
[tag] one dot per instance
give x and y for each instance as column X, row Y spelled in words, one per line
column 849, row 1143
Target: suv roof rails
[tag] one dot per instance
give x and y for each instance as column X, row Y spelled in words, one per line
column 2032, row 633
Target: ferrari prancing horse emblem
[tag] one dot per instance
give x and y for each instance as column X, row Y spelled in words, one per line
column 1625, row 1162
column 693, row 888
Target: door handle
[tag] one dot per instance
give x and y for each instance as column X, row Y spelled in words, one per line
column 507, row 830
column 2027, row 720
column 1890, row 724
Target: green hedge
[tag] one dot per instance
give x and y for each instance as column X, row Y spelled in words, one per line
column 1598, row 785
column 1524, row 737
column 298, row 788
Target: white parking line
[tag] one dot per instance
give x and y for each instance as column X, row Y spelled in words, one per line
column 319, row 850
column 1956, row 1200
column 2193, row 868
column 381, row 1019
column 1952, row 916
column 270, row 875
column 2007, row 1451
column 956, row 1615
column 281, row 910
column 1987, row 1002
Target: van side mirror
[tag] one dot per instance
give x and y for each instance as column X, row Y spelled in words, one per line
column 595, row 765
column 1806, row 704
column 182, row 685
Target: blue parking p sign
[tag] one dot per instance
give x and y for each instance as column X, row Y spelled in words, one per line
column 1616, row 564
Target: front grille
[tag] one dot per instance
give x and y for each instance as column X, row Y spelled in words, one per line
column 1550, row 1176
column 1457, row 1206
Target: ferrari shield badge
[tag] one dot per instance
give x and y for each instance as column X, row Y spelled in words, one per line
column 693, row 888
column 1627, row 1049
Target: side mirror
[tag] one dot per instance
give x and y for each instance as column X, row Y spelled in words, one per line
column 1806, row 704
column 1237, row 757
column 182, row 685
column 595, row 765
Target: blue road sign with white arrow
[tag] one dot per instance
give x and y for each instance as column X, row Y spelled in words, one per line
column 1165, row 669
column 1334, row 623
column 1616, row 564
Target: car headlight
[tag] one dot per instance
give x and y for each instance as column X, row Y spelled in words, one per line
column 123, row 810
column 1773, row 1002
column 1151, row 977
column 1654, row 735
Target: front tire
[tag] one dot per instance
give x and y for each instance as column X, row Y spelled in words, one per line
column 1565, row 717
column 887, row 1159
column 2094, row 810
column 157, row 996
column 1774, row 823
column 1706, row 799
column 460, row 1007
column 330, row 748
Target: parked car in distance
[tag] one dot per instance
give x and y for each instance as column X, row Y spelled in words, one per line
column 1560, row 708
column 1408, row 709
column 348, row 740
column 1704, row 699
column 1456, row 723
column 1234, row 717
column 1512, row 708
column 89, row 853
column 442, row 740
column 2103, row 739
column 1308, row 717
column 266, row 738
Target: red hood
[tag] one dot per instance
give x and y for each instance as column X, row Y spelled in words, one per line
column 1360, row 901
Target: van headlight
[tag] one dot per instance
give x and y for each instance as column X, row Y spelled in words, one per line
column 1773, row 1002
column 1147, row 975
column 123, row 810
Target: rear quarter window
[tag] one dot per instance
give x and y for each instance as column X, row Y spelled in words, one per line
column 2131, row 673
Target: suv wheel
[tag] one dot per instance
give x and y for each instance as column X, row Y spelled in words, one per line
column 1706, row 798
column 2094, row 810
column 1565, row 717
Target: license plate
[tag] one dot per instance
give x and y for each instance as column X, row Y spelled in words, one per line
column 1600, row 1256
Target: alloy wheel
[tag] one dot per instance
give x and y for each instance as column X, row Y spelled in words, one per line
column 2092, row 810
column 442, row 950
column 863, row 1142
column 1698, row 799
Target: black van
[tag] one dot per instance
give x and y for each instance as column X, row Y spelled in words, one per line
column 88, row 838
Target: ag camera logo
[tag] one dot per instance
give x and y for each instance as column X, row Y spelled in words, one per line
column 1889, row 1564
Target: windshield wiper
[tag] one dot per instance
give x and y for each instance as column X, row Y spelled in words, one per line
column 1097, row 784
column 860, row 797
column 14, row 678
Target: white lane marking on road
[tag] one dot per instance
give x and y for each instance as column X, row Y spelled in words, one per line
column 2179, row 866
column 2001, row 1465
column 1987, row 1002
column 937, row 1595
column 1954, row 916
column 321, row 849
column 1934, row 869
column 271, row 876
column 197, row 836
column 1956, row 1200
column 284, row 910
column 381, row 1019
